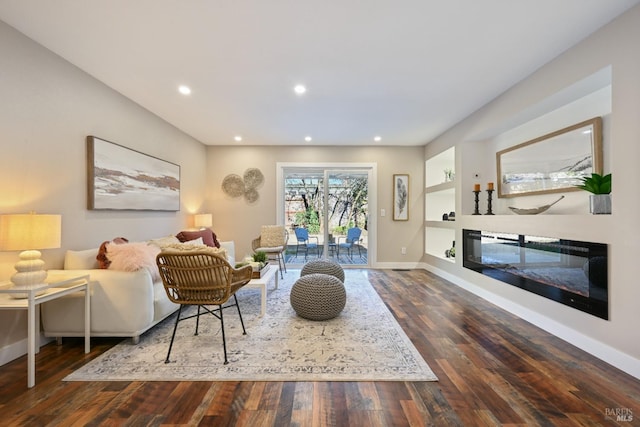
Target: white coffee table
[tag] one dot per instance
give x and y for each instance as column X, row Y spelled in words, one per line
column 262, row 283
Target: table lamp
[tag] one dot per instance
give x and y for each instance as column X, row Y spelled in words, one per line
column 28, row 233
column 203, row 220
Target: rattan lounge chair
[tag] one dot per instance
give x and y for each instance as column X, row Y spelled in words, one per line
column 273, row 241
column 202, row 279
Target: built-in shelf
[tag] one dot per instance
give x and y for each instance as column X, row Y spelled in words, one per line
column 437, row 204
column 452, row 260
column 436, row 166
column 440, row 199
column 440, row 224
column 594, row 228
column 438, row 241
column 448, row 187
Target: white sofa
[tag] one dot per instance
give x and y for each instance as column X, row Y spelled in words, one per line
column 123, row 303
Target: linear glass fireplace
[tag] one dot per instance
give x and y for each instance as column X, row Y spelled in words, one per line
column 570, row 272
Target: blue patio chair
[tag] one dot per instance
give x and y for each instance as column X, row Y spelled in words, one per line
column 352, row 239
column 303, row 240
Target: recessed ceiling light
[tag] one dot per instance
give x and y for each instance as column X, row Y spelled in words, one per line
column 237, row 138
column 307, row 138
column 185, row 90
column 299, row 89
column 377, row 139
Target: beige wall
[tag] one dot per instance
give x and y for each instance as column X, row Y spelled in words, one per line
column 615, row 340
column 47, row 109
column 235, row 219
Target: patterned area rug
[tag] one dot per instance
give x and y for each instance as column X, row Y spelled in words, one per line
column 364, row 343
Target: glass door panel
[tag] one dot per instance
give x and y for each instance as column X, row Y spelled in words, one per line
column 326, row 212
column 347, row 214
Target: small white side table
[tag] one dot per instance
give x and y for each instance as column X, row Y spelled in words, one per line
column 261, row 284
column 30, row 303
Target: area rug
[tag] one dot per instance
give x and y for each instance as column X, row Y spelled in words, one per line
column 364, row 343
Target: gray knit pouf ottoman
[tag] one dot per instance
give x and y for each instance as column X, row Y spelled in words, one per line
column 323, row 266
column 318, row 296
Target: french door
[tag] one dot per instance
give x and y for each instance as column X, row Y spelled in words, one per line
column 331, row 203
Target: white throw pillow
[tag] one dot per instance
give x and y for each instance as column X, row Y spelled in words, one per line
column 272, row 236
column 164, row 241
column 81, row 260
column 196, row 242
column 231, row 251
column 188, row 247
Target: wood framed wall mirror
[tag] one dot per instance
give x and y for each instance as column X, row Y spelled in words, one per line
column 552, row 163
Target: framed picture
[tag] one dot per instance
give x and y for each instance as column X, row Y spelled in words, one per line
column 123, row 179
column 552, row 163
column 400, row 197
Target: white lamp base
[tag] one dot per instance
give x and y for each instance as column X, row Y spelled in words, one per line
column 30, row 275
column 23, row 291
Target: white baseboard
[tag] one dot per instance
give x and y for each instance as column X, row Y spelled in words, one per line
column 596, row 348
column 18, row 349
column 397, row 265
column 13, row 351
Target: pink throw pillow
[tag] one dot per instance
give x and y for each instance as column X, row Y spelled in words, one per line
column 133, row 257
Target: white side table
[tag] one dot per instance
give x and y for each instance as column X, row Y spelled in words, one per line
column 30, row 303
column 261, row 284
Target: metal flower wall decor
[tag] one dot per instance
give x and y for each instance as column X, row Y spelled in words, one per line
column 234, row 185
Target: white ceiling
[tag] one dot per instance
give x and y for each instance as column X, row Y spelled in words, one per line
column 406, row 70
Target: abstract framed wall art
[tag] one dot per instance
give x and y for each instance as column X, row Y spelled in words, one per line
column 120, row 178
column 400, row 197
column 552, row 163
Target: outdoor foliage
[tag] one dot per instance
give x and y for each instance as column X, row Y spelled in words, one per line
column 347, row 203
column 309, row 220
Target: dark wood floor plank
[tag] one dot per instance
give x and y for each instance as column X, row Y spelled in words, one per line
column 271, row 396
column 227, row 394
column 203, row 405
column 391, row 394
column 303, row 396
column 413, row 414
column 362, row 396
column 258, row 418
column 328, row 405
column 285, row 405
column 493, row 369
column 531, row 407
column 255, row 396
column 437, row 406
column 367, row 418
column 184, row 400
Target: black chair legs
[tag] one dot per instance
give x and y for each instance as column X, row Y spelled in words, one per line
column 175, row 327
column 219, row 315
column 224, row 341
column 244, row 332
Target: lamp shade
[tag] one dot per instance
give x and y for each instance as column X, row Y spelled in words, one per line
column 29, row 233
column 19, row 232
column 203, row 220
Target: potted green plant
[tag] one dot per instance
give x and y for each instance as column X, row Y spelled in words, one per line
column 258, row 261
column 600, row 188
column 260, row 257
